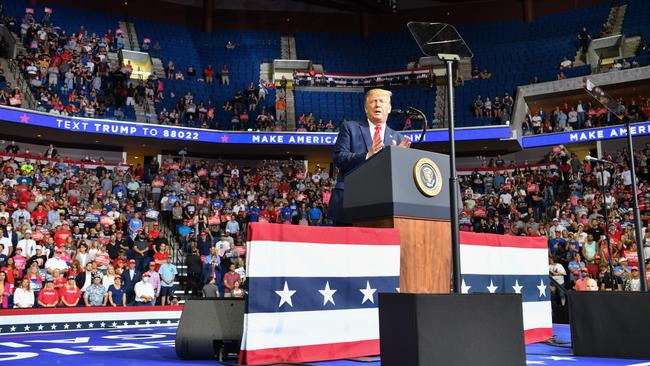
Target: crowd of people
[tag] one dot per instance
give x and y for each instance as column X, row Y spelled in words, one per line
column 250, row 109
column 70, row 74
column 89, row 234
column 307, row 123
column 79, row 233
column 496, row 108
column 561, row 199
column 583, row 115
column 211, row 203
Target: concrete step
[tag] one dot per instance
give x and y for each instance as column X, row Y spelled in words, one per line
column 631, row 45
column 158, row 67
column 292, row 47
column 290, row 109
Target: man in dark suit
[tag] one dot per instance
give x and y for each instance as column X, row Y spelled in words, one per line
column 130, row 277
column 358, row 141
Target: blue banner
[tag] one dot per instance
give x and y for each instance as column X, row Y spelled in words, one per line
column 134, row 129
column 592, row 134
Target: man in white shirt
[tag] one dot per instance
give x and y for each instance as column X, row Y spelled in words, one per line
column 626, row 176
column 27, row 244
column 505, row 198
column 599, row 177
column 223, row 245
column 555, row 227
column 144, row 292
column 56, row 262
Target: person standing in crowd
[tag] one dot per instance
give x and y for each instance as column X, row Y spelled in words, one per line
column 116, row 293
column 229, row 280
column 49, row 296
column 168, row 274
column 70, row 294
column 95, row 294
column 24, row 296
column 130, row 277
column 144, row 292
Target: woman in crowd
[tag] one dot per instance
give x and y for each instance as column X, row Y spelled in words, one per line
column 70, row 294
column 24, row 296
column 5, row 290
column 116, row 293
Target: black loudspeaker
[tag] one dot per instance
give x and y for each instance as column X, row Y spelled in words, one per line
column 610, row 324
column 210, row 327
column 450, row 330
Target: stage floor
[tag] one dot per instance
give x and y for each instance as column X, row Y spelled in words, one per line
column 154, row 345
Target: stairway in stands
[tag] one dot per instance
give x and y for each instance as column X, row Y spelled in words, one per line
column 288, row 52
column 615, row 19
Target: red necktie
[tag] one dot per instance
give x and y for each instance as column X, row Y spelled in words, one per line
column 377, row 136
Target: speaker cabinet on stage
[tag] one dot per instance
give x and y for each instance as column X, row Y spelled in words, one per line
column 208, row 327
column 450, row 330
column 610, row 324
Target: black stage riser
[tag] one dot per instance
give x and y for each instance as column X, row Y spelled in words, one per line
column 451, row 329
column 206, row 324
column 610, row 324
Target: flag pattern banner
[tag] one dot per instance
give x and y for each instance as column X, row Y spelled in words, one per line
column 313, row 291
column 510, row 264
column 77, row 318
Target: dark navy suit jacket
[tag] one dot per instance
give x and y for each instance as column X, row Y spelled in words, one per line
column 352, row 146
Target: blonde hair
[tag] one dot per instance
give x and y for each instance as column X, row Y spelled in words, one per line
column 377, row 91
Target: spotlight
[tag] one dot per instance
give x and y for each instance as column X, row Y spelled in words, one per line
column 392, row 4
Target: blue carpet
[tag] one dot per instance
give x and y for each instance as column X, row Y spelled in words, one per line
column 149, row 346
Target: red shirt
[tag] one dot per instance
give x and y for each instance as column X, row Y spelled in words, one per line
column 230, row 278
column 59, row 282
column 102, row 259
column 60, row 236
column 160, row 258
column 49, row 296
column 70, row 294
column 632, row 257
column 37, row 213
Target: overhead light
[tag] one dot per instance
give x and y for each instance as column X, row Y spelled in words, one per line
column 96, row 141
column 137, row 157
column 38, row 135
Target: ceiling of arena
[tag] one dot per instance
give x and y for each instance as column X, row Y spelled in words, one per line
column 356, row 6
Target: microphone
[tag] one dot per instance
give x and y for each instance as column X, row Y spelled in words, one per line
column 596, row 160
column 424, row 125
column 397, row 112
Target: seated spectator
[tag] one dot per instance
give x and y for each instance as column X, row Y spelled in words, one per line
column 478, row 107
column 566, row 64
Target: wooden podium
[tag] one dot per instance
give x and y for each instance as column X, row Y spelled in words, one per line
column 384, row 193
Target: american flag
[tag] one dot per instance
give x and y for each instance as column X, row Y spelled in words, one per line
column 313, row 291
column 510, row 264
